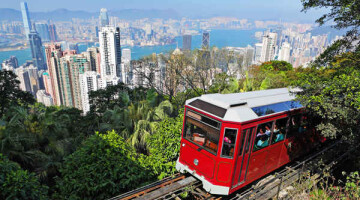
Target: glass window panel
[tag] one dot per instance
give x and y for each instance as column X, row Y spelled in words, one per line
column 277, row 107
column 263, row 136
column 229, row 143
column 202, row 135
column 279, row 131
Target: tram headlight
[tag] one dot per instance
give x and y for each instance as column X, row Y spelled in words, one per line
column 196, row 162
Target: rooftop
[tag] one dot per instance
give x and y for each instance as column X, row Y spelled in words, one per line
column 241, row 107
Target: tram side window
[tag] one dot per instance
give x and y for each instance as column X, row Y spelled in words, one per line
column 294, row 125
column 263, row 136
column 229, row 143
column 248, row 140
column 279, row 130
column 242, row 142
column 201, row 134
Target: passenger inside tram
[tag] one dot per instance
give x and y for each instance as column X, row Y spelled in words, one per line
column 263, row 141
column 279, row 135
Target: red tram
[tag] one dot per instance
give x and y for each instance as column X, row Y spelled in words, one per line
column 231, row 140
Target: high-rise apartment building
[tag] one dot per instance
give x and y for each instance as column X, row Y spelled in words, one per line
column 93, row 56
column 23, row 76
column 53, row 54
column 47, row 83
column 43, row 30
column 26, row 18
column 110, row 51
column 258, row 50
column 186, row 42
column 104, row 19
column 52, row 33
column 71, row 66
column 88, row 82
column 284, row 53
column 36, row 50
column 205, row 40
column 268, row 47
column 126, row 55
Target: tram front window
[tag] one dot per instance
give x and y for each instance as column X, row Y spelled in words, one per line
column 203, row 135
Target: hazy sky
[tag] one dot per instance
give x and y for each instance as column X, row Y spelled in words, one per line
column 253, row 9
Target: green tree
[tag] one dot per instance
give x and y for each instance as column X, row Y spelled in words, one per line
column 333, row 96
column 10, row 93
column 104, row 166
column 16, row 183
column 164, row 146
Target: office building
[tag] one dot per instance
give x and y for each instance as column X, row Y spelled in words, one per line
column 26, row 18
column 43, row 30
column 37, row 51
column 88, row 82
column 10, row 64
column 110, row 52
column 205, row 40
column 186, row 42
column 104, row 19
column 52, row 33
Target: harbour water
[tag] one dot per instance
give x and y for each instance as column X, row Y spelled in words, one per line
column 218, row 38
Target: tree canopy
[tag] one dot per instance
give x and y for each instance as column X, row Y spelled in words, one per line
column 104, row 166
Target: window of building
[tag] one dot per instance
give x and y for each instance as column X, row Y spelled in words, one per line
column 202, row 134
column 263, row 136
column 279, row 131
column 229, row 140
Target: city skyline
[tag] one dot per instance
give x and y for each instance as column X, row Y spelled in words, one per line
column 255, row 10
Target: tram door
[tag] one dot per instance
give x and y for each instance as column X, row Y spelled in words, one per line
column 243, row 157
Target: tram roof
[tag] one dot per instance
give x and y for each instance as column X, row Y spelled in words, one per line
column 241, row 107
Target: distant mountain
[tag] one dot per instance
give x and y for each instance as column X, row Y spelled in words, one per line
column 67, row 15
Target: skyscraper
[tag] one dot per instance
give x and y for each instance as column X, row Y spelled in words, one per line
column 43, row 30
column 52, row 33
column 53, row 54
column 110, row 51
column 205, row 40
column 88, row 82
column 36, row 50
column 71, row 66
column 186, row 42
column 268, row 47
column 26, row 18
column 104, row 19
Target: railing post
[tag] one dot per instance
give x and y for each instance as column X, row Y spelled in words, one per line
column 281, row 180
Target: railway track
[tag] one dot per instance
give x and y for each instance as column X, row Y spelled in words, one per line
column 268, row 187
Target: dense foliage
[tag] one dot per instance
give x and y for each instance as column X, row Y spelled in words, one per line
column 16, row 183
column 164, row 146
column 104, row 162
column 10, row 92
